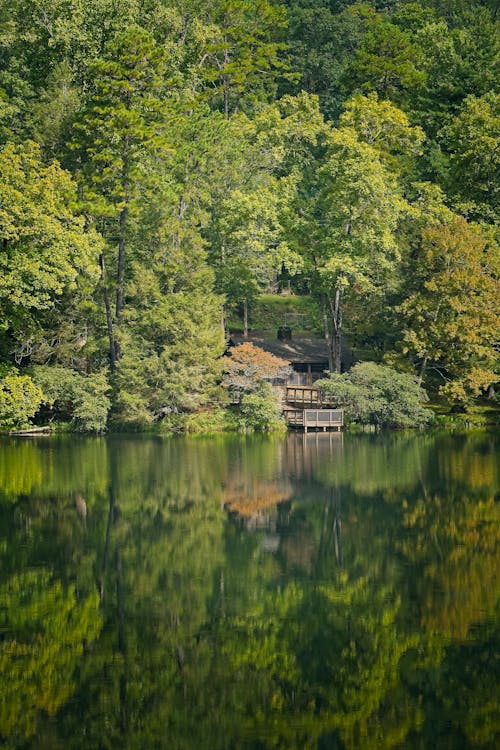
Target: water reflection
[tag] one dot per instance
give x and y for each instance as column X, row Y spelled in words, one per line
column 322, row 591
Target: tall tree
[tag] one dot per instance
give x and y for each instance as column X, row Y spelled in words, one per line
column 45, row 251
column 451, row 316
column 472, row 142
column 388, row 62
column 347, row 229
column 381, row 124
column 241, row 57
column 122, row 124
column 247, row 235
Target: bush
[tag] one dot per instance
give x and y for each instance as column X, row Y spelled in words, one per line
column 81, row 398
column 259, row 412
column 208, row 422
column 20, row 399
column 376, row 394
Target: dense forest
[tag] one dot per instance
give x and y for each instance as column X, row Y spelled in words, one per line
column 165, row 162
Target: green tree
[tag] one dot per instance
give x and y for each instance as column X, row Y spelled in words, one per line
column 121, row 126
column 381, row 124
column 388, row 62
column 376, row 394
column 346, row 229
column 451, row 316
column 171, row 327
column 83, row 398
column 322, row 39
column 241, row 57
column 471, row 140
column 20, row 400
column 247, row 235
column 459, row 54
column 45, row 252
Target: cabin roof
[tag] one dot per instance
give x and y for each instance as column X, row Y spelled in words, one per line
column 300, row 349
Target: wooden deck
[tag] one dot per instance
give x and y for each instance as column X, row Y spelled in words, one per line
column 324, row 419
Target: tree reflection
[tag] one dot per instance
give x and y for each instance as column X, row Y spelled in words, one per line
column 44, row 628
column 318, row 592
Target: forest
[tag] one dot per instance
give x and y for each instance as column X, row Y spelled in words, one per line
column 165, row 163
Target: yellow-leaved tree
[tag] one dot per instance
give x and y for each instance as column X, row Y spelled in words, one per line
column 452, row 321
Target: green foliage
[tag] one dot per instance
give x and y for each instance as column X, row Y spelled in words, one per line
column 171, row 342
column 210, row 422
column 195, row 133
column 452, row 311
column 472, row 140
column 387, row 61
column 376, row 394
column 241, row 59
column 322, row 39
column 20, row 399
column 248, row 244
column 45, row 248
column 381, row 124
column 260, row 412
column 83, row 398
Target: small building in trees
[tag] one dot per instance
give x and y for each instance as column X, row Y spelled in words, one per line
column 291, row 366
column 308, row 355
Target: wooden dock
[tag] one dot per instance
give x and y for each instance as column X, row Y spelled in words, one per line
column 323, row 419
column 300, row 414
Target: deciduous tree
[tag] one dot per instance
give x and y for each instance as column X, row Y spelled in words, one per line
column 451, row 316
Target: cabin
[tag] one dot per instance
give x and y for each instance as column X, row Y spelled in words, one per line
column 302, row 402
column 308, row 355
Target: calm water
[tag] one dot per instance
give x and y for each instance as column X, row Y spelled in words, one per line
column 322, row 591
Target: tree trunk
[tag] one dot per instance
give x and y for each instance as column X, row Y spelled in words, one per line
column 245, row 319
column 327, row 334
column 225, row 86
column 223, row 322
column 422, row 370
column 336, row 310
column 109, row 315
column 332, row 324
column 120, row 275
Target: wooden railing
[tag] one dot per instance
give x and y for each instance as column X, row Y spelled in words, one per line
column 303, row 395
column 325, row 419
column 295, row 418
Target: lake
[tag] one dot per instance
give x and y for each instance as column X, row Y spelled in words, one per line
column 318, row 591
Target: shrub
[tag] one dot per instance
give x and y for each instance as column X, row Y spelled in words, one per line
column 376, row 394
column 20, row 399
column 207, row 422
column 81, row 398
column 260, row 412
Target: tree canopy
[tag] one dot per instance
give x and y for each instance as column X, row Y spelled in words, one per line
column 166, row 163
